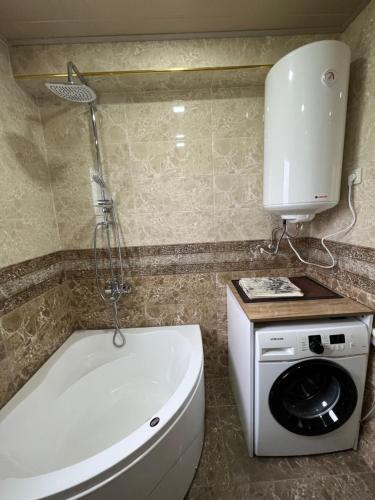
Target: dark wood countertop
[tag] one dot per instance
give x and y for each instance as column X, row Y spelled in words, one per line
column 261, row 312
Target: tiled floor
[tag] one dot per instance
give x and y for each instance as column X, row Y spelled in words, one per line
column 226, row 472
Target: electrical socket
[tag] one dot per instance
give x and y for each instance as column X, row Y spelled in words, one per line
column 358, row 175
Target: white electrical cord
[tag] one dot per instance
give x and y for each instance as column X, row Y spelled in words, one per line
column 369, row 413
column 351, row 179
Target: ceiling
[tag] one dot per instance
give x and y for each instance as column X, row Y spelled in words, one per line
column 29, row 21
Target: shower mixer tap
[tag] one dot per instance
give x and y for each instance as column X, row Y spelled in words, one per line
column 113, row 290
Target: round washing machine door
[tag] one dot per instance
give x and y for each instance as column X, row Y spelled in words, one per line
column 313, row 397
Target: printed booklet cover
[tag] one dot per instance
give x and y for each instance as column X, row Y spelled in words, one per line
column 263, row 288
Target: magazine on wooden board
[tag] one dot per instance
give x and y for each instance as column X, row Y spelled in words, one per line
column 267, row 287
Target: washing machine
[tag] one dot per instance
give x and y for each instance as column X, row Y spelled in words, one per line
column 309, row 384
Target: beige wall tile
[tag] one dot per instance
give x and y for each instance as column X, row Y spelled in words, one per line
column 242, row 224
column 78, row 231
column 66, row 125
column 167, row 194
column 27, row 220
column 238, row 191
column 119, row 177
column 238, row 155
column 166, row 170
column 168, row 228
column 70, row 178
column 237, row 113
column 360, row 137
column 26, row 238
column 112, row 123
column 163, row 120
column 180, row 158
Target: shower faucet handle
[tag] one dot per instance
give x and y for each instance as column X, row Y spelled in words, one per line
column 125, row 288
column 116, row 289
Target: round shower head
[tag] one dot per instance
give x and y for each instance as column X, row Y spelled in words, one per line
column 75, row 92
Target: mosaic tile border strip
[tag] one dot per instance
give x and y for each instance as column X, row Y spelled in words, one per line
column 22, row 282
column 27, row 280
column 365, row 254
column 354, row 274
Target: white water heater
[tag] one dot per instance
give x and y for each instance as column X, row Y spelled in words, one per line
column 304, row 127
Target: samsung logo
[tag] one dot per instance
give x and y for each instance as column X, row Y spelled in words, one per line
column 277, row 338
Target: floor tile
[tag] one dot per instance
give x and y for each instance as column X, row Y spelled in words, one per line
column 219, row 392
column 342, row 487
column 243, row 468
column 213, row 467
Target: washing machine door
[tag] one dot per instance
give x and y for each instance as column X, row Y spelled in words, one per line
column 313, row 397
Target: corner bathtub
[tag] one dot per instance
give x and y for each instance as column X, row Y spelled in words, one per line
column 84, row 424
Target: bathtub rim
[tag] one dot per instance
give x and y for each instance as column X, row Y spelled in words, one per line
column 119, row 456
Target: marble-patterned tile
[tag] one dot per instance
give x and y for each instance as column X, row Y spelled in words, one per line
column 119, row 178
column 167, row 194
column 202, row 493
column 236, row 113
column 155, row 300
column 25, row 238
column 345, row 283
column 112, row 123
column 77, row 231
column 27, row 224
column 32, row 332
column 238, row 191
column 28, row 196
column 356, row 486
column 174, row 289
column 179, row 158
column 7, row 387
column 163, row 120
column 219, row 392
column 238, row 155
column 170, row 228
column 71, row 180
column 5, row 66
column 366, row 440
column 244, row 469
column 210, row 392
column 360, row 133
column 215, row 349
column 242, row 222
column 213, row 469
column 66, row 125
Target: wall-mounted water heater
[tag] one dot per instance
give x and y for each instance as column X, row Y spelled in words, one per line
column 304, row 126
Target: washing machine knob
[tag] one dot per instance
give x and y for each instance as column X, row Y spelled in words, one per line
column 315, row 344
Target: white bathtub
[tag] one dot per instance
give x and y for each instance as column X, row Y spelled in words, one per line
column 80, row 428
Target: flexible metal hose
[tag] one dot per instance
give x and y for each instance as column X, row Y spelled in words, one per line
column 115, row 294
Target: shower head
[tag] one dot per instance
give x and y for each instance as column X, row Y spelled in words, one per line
column 71, row 91
column 75, row 92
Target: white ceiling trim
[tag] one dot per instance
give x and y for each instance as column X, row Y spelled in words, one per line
column 174, row 36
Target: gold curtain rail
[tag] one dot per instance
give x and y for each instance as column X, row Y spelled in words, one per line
column 47, row 76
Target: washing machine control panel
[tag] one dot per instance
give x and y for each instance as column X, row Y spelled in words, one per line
column 335, row 342
column 328, row 343
column 331, row 338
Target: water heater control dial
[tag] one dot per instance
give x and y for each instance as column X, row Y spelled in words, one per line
column 329, row 77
